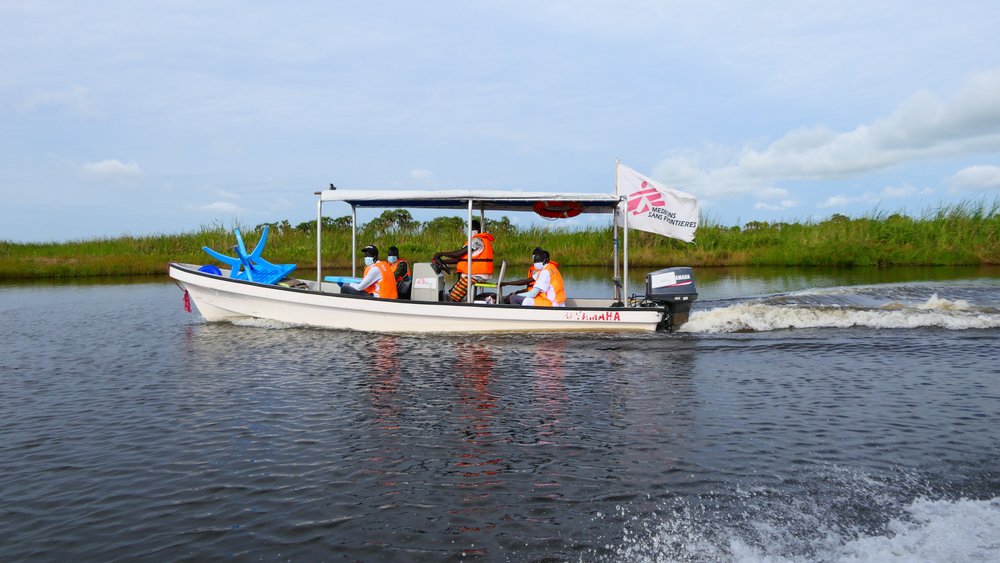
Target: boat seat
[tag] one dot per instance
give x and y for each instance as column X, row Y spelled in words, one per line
column 490, row 285
column 252, row 266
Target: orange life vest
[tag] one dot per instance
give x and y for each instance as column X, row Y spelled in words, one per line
column 385, row 287
column 555, row 278
column 532, row 271
column 396, row 267
column 482, row 263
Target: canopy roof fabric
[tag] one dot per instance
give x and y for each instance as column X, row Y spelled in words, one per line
column 459, row 199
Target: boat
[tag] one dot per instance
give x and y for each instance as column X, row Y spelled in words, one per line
column 254, row 288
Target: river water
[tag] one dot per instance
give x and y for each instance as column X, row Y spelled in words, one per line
column 801, row 415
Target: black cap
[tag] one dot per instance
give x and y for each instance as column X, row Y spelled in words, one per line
column 370, row 250
column 393, row 251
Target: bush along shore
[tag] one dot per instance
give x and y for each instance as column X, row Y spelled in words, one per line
column 966, row 234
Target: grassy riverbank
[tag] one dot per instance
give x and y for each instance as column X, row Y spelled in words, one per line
column 963, row 234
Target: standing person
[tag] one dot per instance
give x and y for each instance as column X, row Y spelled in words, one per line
column 548, row 290
column 401, row 272
column 482, row 261
column 378, row 280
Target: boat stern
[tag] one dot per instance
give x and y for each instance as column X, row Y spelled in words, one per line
column 674, row 289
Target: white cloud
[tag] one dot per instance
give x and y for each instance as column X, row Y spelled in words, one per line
column 227, row 195
column 869, row 198
column 922, row 127
column 421, row 174
column 781, row 205
column 844, row 201
column 114, row 169
column 221, row 207
column 903, row 191
column 976, row 178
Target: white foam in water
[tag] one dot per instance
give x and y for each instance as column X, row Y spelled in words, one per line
column 262, row 323
column 929, row 530
column 945, row 305
column 963, row 530
column 762, row 316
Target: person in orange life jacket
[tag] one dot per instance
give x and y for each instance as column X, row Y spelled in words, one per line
column 482, row 261
column 528, row 281
column 401, row 272
column 378, row 280
column 548, row 289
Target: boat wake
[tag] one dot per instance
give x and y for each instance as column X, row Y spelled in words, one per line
column 882, row 307
column 841, row 514
column 926, row 530
column 269, row 324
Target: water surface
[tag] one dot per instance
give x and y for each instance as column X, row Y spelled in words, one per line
column 802, row 415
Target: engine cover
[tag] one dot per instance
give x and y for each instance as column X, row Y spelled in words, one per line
column 674, row 288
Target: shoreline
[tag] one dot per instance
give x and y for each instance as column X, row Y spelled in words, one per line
column 961, row 235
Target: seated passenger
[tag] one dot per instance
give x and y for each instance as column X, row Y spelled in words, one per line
column 528, row 281
column 401, row 271
column 378, row 280
column 548, row 289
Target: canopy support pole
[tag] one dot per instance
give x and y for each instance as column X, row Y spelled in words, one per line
column 625, row 260
column 319, row 242
column 468, row 254
column 354, row 242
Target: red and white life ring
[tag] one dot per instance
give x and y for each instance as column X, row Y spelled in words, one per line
column 558, row 209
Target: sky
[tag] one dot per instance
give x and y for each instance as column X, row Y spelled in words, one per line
column 137, row 118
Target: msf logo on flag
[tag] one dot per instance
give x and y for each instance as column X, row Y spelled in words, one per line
column 645, row 199
column 656, row 208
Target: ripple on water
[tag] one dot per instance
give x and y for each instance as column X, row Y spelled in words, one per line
column 142, row 433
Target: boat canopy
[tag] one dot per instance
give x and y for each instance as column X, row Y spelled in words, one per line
column 486, row 200
column 471, row 200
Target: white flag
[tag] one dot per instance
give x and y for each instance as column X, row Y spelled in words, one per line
column 656, row 208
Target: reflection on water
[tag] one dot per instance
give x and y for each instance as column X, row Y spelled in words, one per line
column 477, row 459
column 384, row 380
column 385, row 456
column 133, row 430
column 549, row 389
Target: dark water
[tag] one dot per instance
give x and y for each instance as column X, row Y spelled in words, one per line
column 805, row 416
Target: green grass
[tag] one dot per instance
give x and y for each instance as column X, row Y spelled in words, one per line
column 965, row 234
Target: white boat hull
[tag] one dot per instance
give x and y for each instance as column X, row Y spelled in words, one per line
column 220, row 299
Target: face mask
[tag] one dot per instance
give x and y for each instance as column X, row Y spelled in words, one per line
column 539, row 265
column 392, row 259
column 369, row 260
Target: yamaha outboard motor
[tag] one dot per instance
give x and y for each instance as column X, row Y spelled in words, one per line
column 674, row 289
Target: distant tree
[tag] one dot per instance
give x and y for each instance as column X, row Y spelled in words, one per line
column 755, row 226
column 342, row 223
column 393, row 221
column 444, row 225
column 328, row 224
column 277, row 227
column 501, row 226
